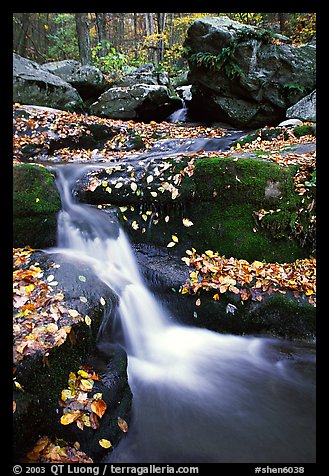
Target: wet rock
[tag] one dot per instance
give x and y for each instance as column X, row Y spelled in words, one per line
column 244, row 75
column 42, row 375
column 36, row 203
column 34, row 85
column 88, row 80
column 305, row 109
column 143, row 102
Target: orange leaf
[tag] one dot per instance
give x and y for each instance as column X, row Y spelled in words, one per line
column 99, row 407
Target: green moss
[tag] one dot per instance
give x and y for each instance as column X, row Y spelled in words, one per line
column 34, row 191
column 244, row 181
column 36, row 203
column 304, row 130
column 232, row 231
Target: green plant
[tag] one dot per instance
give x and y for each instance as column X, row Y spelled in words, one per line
column 112, row 61
column 293, row 88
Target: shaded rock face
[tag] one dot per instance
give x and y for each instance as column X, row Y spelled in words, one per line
column 305, row 109
column 88, row 80
column 141, row 102
column 244, row 75
column 34, row 85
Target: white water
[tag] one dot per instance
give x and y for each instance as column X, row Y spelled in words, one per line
column 180, row 115
column 198, row 396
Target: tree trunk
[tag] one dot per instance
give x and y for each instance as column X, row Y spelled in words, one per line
column 22, row 42
column 101, row 30
column 284, row 23
column 81, row 21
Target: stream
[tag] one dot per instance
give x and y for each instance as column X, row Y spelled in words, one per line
column 198, row 396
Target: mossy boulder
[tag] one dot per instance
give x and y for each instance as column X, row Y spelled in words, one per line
column 36, row 203
column 220, row 199
column 43, row 374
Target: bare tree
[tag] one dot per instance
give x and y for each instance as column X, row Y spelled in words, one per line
column 82, row 26
column 101, row 30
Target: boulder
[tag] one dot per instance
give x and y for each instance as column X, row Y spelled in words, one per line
column 36, row 203
column 43, row 373
column 143, row 102
column 32, row 84
column 305, row 109
column 144, row 74
column 88, row 80
column 244, row 75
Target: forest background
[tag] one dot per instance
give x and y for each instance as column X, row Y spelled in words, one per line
column 117, row 41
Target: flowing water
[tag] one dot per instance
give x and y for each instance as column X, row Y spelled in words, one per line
column 198, row 396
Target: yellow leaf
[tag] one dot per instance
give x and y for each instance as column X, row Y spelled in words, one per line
column 83, row 373
column 87, row 320
column 209, row 253
column 37, row 200
column 105, row 443
column 133, row 186
column 184, row 291
column 102, row 301
column 68, row 418
column 187, row 222
column 257, row 264
column 67, row 393
column 29, row 288
column 86, row 384
column 118, row 185
column 174, row 238
column 73, row 312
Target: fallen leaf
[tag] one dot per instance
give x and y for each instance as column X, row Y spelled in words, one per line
column 105, row 443
column 122, row 424
column 68, row 418
column 99, row 407
column 187, row 222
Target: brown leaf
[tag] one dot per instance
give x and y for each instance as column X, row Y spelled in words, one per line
column 99, row 407
column 123, row 425
column 94, row 421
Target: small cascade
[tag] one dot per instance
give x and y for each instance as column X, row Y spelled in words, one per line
column 180, row 115
column 199, row 396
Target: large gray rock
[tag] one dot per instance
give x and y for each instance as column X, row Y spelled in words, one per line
column 88, row 80
column 145, row 74
column 141, row 102
column 34, row 85
column 305, row 109
column 244, row 75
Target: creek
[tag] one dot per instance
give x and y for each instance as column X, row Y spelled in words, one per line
column 198, row 396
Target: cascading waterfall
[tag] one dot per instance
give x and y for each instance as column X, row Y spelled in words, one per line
column 198, row 396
